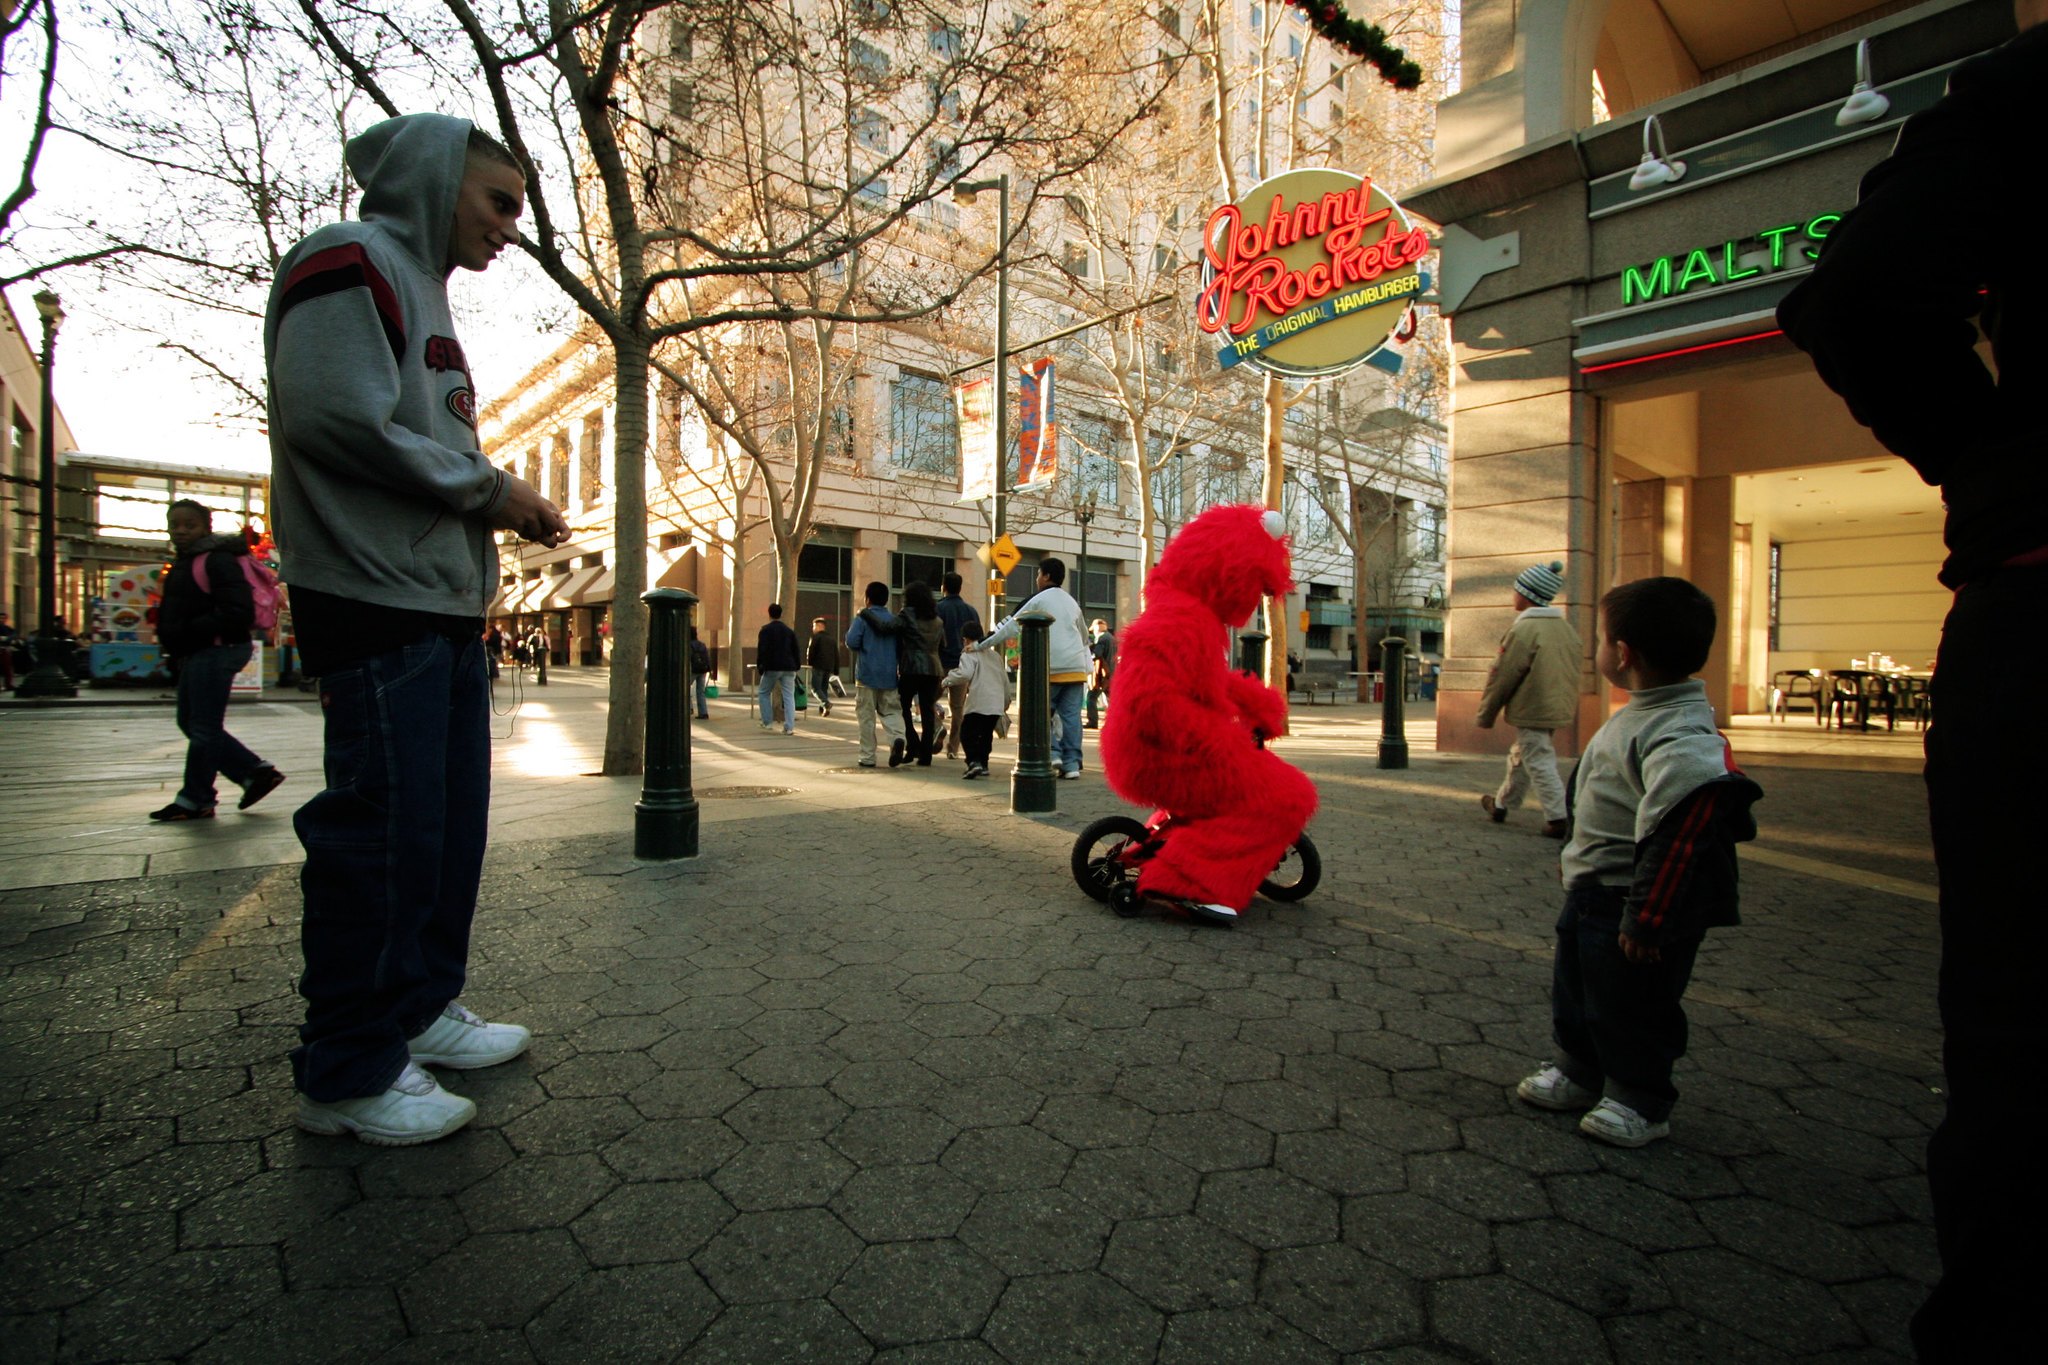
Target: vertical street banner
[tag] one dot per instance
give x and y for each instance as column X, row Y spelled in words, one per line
column 975, row 402
column 1038, row 437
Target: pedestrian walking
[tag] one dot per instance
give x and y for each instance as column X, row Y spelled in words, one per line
column 984, row 684
column 1102, row 668
column 542, row 649
column 700, row 673
column 1535, row 681
column 1974, row 430
column 494, row 650
column 386, row 507
column 777, row 659
column 1658, row 806
column 1069, row 660
column 920, row 641
column 957, row 613
column 872, row 639
column 821, row 656
column 204, row 632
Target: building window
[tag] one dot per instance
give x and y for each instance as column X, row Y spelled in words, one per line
column 1293, row 45
column 873, row 192
column 1168, row 480
column 533, row 473
column 1318, row 637
column 674, row 540
column 924, row 428
column 1074, row 259
column 591, row 468
column 558, row 476
column 1336, row 76
column 1429, row 533
column 946, row 42
column 1777, row 567
column 682, row 100
column 681, row 44
column 871, row 130
column 1091, row 456
column 828, row 564
column 870, row 61
column 1169, row 19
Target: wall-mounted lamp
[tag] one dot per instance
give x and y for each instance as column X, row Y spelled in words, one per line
column 1864, row 104
column 1656, row 168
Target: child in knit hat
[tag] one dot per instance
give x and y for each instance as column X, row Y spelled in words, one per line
column 1535, row 681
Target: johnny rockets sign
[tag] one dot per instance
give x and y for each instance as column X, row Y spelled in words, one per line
column 1309, row 273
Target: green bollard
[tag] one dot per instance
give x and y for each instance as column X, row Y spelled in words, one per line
column 1034, row 788
column 1394, row 695
column 665, row 817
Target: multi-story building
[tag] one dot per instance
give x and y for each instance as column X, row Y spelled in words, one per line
column 1628, row 188
column 21, row 404
column 888, row 501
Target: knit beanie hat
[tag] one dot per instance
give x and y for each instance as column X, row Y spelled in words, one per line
column 1541, row 582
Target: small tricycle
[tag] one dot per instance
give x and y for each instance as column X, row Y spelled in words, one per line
column 1110, row 851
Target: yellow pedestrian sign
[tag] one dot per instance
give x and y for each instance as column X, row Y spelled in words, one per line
column 1006, row 555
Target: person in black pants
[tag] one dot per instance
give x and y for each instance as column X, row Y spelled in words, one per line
column 920, row 642
column 1900, row 346
column 204, row 634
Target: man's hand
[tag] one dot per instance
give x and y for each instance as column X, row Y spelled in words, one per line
column 531, row 515
column 1486, row 724
column 1639, row 952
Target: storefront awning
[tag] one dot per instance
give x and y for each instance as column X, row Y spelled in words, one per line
column 598, row 589
column 562, row 592
column 521, row 596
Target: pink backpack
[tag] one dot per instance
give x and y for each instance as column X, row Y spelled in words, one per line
column 264, row 588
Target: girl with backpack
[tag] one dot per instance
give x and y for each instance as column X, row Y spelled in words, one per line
column 213, row 597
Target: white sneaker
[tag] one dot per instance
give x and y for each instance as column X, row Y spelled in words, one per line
column 415, row 1109
column 1550, row 1088
column 1070, row 774
column 460, row 1040
column 1621, row 1126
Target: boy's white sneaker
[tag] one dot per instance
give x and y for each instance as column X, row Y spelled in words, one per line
column 415, row 1109
column 1550, row 1088
column 1615, row 1123
column 460, row 1040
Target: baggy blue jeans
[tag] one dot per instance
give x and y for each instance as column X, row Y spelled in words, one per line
column 1066, row 711
column 783, row 680
column 204, row 681
column 394, row 853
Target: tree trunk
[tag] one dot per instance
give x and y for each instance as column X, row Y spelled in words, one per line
column 1273, row 490
column 736, row 601
column 786, row 552
column 625, row 730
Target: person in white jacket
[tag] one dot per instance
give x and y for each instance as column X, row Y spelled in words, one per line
column 985, row 684
column 1069, row 657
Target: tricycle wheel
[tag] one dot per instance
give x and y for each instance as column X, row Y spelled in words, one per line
column 1299, row 872
column 1123, row 898
column 1097, row 860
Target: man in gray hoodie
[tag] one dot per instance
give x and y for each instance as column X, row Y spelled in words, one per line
column 385, row 506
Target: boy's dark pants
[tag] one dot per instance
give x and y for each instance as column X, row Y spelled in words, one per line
column 394, row 855
column 977, row 736
column 1618, row 1024
column 1986, row 752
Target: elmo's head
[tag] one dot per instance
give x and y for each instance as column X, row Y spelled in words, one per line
column 1229, row 557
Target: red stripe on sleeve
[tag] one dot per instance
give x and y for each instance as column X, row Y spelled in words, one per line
column 1673, row 872
column 341, row 257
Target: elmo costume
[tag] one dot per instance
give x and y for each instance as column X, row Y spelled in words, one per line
column 1181, row 735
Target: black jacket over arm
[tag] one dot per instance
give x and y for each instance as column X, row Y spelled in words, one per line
column 1944, row 231
column 188, row 620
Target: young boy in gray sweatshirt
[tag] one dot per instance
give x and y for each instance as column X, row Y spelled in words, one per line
column 385, row 505
column 1657, row 806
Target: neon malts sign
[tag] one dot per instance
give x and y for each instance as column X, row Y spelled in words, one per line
column 1731, row 262
column 1309, row 273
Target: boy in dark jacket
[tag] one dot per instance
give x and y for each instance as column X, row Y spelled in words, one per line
column 1657, row 806
column 821, row 656
column 775, row 652
column 204, row 634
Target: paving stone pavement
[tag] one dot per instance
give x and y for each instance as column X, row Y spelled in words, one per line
column 881, row 1085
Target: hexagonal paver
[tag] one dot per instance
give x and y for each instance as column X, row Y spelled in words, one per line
column 882, row 1137
column 1036, row 1232
column 786, row 1254
column 1496, row 1318
column 1212, row 1141
column 1247, row 1334
column 803, row 1064
column 810, row 1330
column 786, row 1115
column 1341, row 1297
column 1581, row 1268
column 500, row 1279
column 783, row 1175
column 667, row 1220
column 597, row 1073
column 1132, row 1182
column 1007, row 1158
column 1182, row 1264
column 1083, row 1121
column 899, row 1203
column 904, row 1292
column 375, row 1242
column 639, row 1312
column 688, row 1094
column 1417, row 1235
column 1268, row 1208
column 1083, row 1316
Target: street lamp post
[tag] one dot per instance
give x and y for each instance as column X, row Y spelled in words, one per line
column 963, row 193
column 49, row 678
column 1084, row 512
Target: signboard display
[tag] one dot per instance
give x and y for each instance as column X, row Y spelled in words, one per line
column 975, row 403
column 1038, row 438
column 1309, row 274
column 1789, row 246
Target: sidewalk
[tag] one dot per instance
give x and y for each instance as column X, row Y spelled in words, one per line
column 871, row 1080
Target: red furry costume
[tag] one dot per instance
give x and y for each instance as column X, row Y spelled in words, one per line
column 1180, row 734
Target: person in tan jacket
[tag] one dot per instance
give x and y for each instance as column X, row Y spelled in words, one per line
column 1535, row 681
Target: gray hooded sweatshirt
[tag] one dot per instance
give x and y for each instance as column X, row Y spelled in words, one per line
column 381, row 491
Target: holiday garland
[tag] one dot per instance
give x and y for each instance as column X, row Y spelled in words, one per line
column 1361, row 40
